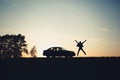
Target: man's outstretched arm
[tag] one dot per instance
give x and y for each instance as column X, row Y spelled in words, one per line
column 84, row 41
column 76, row 41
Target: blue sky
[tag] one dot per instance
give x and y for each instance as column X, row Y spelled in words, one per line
column 47, row 23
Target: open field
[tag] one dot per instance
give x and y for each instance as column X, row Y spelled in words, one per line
column 83, row 68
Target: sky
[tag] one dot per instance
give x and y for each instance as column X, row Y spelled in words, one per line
column 49, row 23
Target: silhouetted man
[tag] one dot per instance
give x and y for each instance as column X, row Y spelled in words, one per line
column 80, row 45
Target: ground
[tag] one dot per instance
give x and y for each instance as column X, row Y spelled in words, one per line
column 86, row 68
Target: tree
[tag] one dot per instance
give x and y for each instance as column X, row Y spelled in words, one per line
column 33, row 52
column 12, row 46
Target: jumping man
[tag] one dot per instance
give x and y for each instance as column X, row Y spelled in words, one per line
column 80, row 45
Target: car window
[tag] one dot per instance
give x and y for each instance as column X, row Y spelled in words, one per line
column 60, row 49
column 57, row 49
column 54, row 49
column 63, row 49
column 51, row 49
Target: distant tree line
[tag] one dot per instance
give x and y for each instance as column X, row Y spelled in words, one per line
column 12, row 46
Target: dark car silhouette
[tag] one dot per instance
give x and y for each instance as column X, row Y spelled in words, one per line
column 58, row 52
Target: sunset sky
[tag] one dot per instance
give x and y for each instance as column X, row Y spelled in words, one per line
column 48, row 23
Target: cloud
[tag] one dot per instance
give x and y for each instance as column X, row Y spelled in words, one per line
column 105, row 30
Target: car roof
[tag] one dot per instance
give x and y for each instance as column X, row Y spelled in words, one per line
column 57, row 47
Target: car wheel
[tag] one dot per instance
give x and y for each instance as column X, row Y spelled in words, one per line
column 53, row 56
column 66, row 56
column 48, row 56
column 71, row 56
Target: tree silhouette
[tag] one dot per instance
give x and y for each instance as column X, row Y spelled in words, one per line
column 12, row 46
column 33, row 52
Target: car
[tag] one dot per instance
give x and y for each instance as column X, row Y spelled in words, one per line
column 58, row 52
